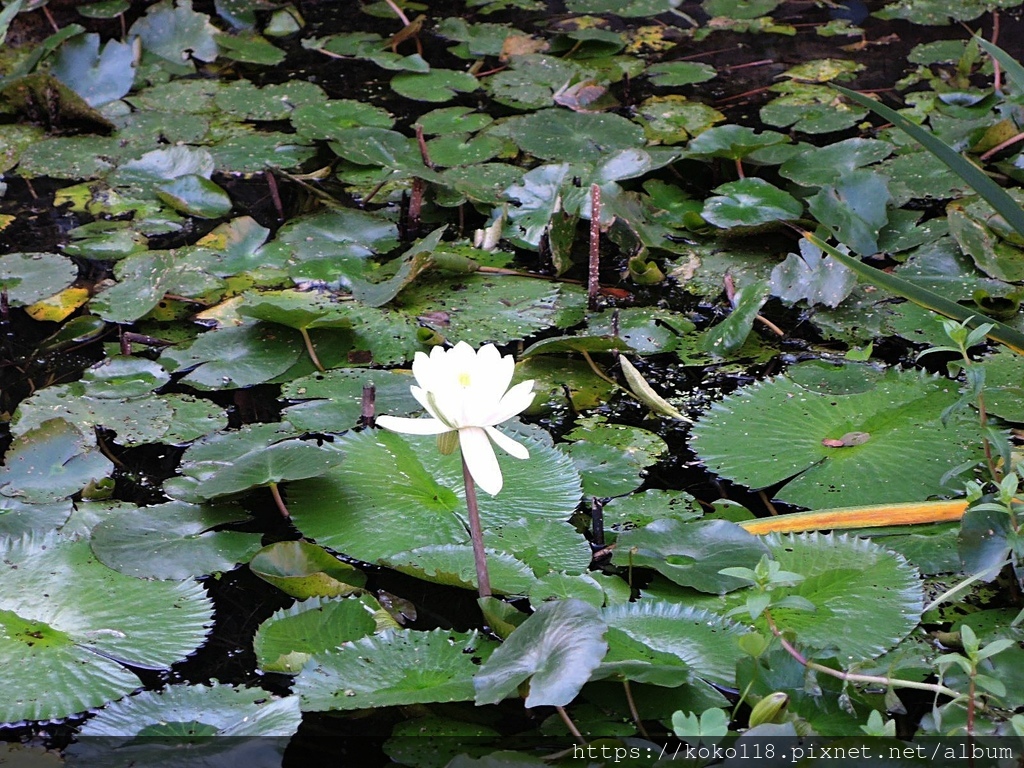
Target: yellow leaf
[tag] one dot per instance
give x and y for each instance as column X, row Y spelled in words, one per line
column 57, row 307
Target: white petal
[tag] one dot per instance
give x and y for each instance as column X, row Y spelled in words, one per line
column 507, row 444
column 515, row 401
column 412, row 426
column 480, row 458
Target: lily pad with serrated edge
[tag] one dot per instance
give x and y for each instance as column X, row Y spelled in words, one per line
column 152, row 727
column 332, row 401
column 398, row 667
column 772, row 431
column 639, row 509
column 699, row 643
column 453, row 565
column 69, row 622
column 287, row 640
column 851, row 582
column 350, row 510
column 172, row 541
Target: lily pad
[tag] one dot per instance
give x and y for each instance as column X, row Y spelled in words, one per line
column 394, row 668
column 454, row 565
column 172, row 541
column 99, row 78
column 351, row 511
column 556, row 649
column 150, row 728
column 438, row 85
column 748, row 203
column 289, row 638
column 29, row 277
column 691, row 554
column 850, row 582
column 236, row 357
column 63, row 661
column 703, row 644
column 812, row 276
column 555, row 134
column 51, row 462
column 304, row 570
column 284, row 461
column 773, row 431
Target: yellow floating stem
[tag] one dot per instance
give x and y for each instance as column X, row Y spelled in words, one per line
column 877, row 516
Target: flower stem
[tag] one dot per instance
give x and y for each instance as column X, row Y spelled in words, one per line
column 476, row 533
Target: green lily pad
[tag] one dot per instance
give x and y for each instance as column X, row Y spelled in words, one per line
column 63, row 661
column 437, row 85
column 700, row 643
column 563, row 586
column 351, row 511
column 325, row 120
column 99, row 78
column 771, row 431
column 749, row 203
column 676, row 73
column 332, row 401
column 236, row 357
column 547, row 546
column 556, row 649
column 640, row 509
column 854, row 208
column 195, row 196
column 731, row 142
column 453, row 565
column 174, row 32
column 271, row 102
column 850, row 582
column 691, row 554
column 172, row 541
column 29, row 277
column 647, row 330
column 250, row 48
column 289, row 638
column 394, row 668
column 51, row 462
column 254, row 152
column 481, row 308
column 304, row 570
column 563, row 135
column 812, row 276
column 821, row 167
column 284, row 461
column 19, row 518
column 608, row 470
column 1004, row 394
column 673, row 118
column 150, row 728
column 810, row 108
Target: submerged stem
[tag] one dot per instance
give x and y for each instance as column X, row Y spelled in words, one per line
column 476, row 533
column 311, row 350
column 276, row 493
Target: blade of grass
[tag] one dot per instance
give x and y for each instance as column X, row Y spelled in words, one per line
column 1004, row 334
column 976, row 178
column 1009, row 64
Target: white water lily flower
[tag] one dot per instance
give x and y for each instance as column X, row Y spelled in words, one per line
column 466, row 392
